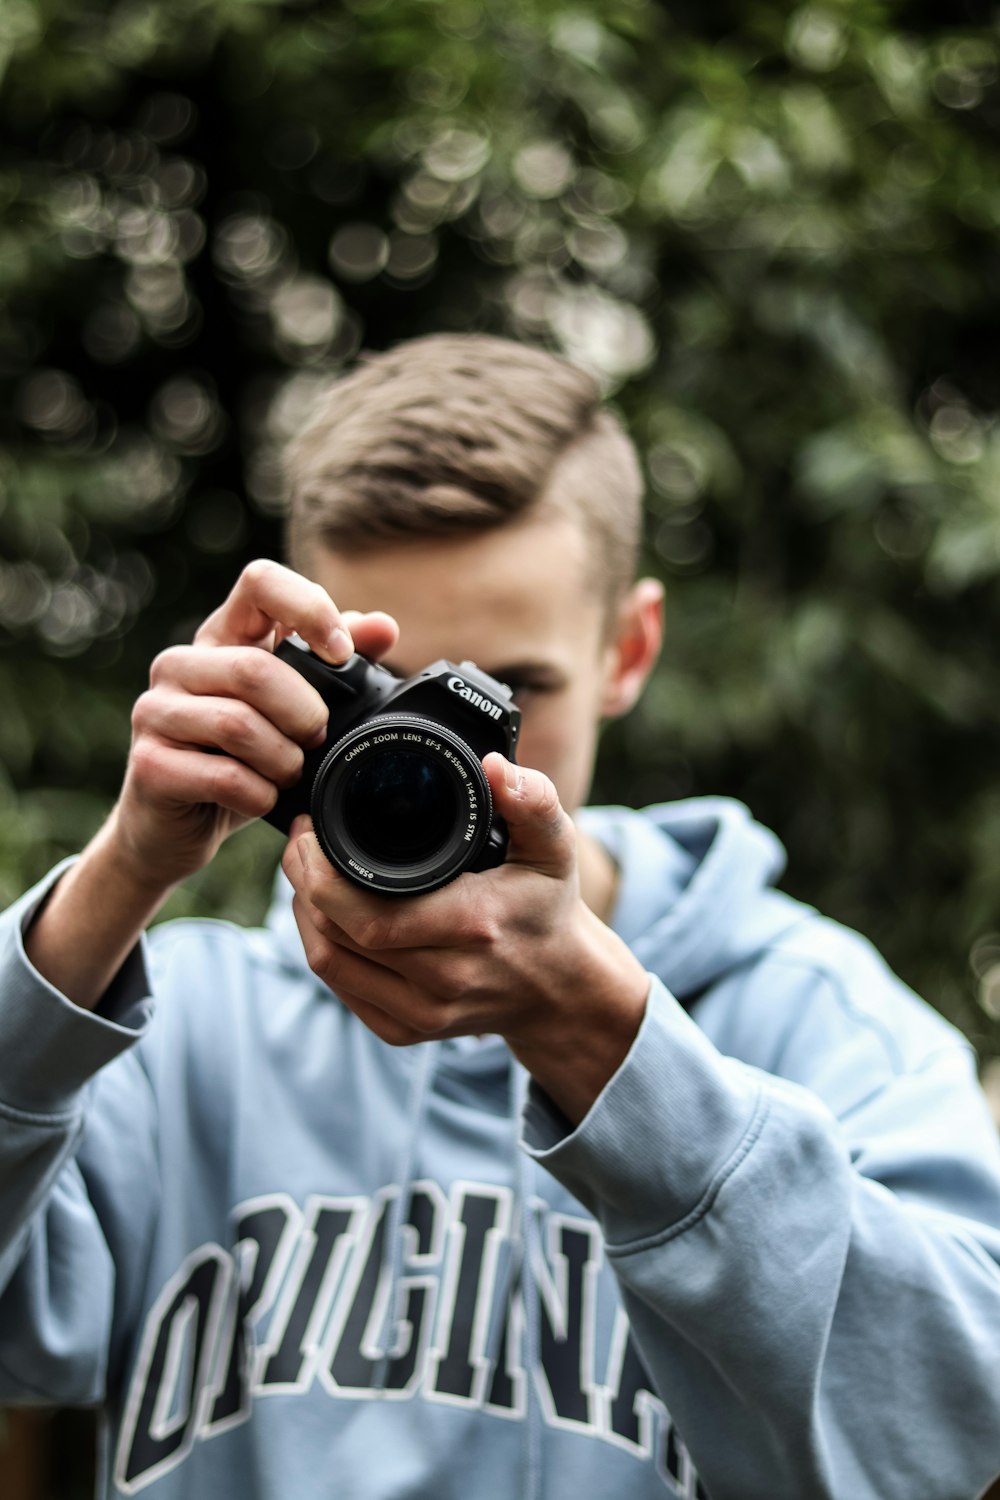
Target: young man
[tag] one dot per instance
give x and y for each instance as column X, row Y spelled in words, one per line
column 583, row 1176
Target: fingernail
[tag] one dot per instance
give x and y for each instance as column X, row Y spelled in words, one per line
column 304, row 846
column 513, row 776
column 340, row 645
column 300, row 825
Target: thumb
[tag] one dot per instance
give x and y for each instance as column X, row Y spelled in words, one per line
column 541, row 833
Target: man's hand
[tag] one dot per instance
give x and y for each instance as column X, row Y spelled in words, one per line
column 513, row 951
column 226, row 692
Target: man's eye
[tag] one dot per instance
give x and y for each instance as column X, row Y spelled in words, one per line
column 523, row 691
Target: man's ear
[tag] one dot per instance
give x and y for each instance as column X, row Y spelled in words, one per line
column 634, row 646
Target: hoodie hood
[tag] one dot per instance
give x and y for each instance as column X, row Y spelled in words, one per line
column 695, row 897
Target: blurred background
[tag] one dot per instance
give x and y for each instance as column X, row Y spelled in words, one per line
column 772, row 232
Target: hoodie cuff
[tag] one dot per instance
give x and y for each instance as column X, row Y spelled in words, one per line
column 662, row 1134
column 51, row 1047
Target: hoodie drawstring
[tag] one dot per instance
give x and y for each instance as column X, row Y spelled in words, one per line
column 392, row 1243
column 522, row 1273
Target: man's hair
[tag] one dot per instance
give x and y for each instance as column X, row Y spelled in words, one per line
column 453, row 434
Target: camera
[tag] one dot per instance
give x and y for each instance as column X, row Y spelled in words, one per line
column 397, row 793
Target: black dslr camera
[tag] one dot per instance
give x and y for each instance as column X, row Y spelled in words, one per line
column 397, row 792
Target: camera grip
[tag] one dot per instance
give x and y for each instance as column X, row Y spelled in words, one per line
column 341, row 688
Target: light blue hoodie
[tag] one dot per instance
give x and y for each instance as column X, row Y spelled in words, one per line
column 294, row 1263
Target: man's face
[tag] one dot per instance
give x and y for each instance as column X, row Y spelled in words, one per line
column 520, row 604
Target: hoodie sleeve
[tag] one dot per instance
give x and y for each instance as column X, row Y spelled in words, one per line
column 817, row 1300
column 58, row 1226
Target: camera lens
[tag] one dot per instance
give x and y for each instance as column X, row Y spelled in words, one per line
column 401, row 804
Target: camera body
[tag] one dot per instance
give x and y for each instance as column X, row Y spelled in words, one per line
column 397, row 793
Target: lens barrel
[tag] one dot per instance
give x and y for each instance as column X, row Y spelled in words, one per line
column 401, row 804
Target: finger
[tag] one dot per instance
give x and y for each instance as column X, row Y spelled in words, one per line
column 267, row 596
column 387, row 1027
column 379, row 997
column 446, row 918
column 415, row 965
column 374, row 633
column 226, row 724
column 167, row 775
column 433, row 1019
column 306, row 883
column 267, row 684
column 296, row 873
column 541, row 833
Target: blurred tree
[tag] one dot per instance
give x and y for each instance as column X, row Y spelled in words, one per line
column 770, row 230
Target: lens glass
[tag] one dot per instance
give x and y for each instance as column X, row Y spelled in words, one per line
column 399, row 806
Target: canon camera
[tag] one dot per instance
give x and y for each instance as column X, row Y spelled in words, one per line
column 397, row 792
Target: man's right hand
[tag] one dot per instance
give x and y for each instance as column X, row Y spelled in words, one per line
column 227, row 693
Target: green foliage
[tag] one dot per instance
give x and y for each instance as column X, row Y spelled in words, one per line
column 770, row 230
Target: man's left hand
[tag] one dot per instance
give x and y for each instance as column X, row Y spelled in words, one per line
column 513, row 951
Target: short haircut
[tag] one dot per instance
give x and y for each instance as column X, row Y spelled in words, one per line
column 452, row 434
